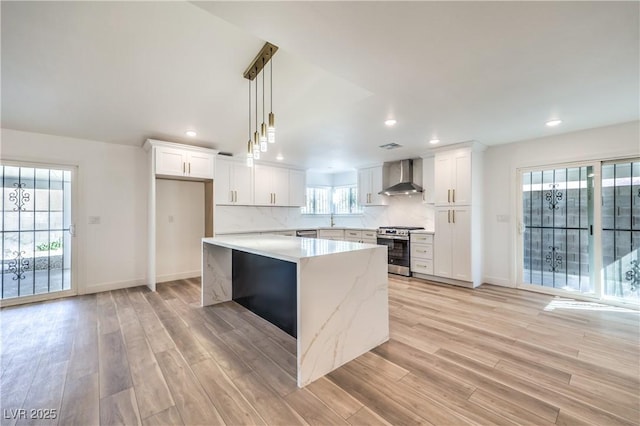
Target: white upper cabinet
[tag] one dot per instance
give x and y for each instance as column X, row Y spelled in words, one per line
column 369, row 184
column 233, row 183
column 297, row 188
column 452, row 177
column 271, row 185
column 173, row 160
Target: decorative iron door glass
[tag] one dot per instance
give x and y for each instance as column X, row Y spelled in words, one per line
column 36, row 238
column 621, row 230
column 557, row 212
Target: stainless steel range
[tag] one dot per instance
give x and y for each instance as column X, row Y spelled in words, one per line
column 396, row 238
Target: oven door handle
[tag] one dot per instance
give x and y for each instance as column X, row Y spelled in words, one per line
column 388, row 237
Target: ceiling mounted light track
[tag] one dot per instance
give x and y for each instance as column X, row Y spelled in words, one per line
column 265, row 133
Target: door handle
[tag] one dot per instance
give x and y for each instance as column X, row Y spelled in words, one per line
column 184, row 168
column 189, row 167
column 448, row 195
column 231, row 196
column 453, row 194
column 453, row 214
column 448, row 216
column 72, row 229
column 274, row 198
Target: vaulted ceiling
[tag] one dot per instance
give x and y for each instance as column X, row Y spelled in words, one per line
column 493, row 72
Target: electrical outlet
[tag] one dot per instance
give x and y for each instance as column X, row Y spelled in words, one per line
column 502, row 218
column 170, row 219
column 94, row 220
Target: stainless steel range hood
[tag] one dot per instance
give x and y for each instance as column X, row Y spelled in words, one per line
column 405, row 186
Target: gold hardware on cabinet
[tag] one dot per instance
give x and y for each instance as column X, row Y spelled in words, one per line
column 454, row 195
column 448, row 195
column 184, row 168
column 448, row 216
column 453, row 215
column 189, row 167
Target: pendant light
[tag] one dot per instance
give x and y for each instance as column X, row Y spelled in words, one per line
column 263, row 126
column 256, row 135
column 271, row 130
column 263, row 134
column 249, row 143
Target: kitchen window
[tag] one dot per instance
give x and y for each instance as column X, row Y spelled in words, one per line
column 339, row 200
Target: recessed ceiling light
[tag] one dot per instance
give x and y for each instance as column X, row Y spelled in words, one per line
column 434, row 141
column 191, row 133
column 553, row 123
column 390, row 122
column 279, row 157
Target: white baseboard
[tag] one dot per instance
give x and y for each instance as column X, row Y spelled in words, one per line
column 502, row 282
column 177, row 276
column 116, row 285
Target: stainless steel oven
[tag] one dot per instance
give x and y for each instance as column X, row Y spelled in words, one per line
column 396, row 238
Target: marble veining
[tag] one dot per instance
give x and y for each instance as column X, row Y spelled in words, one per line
column 285, row 248
column 342, row 294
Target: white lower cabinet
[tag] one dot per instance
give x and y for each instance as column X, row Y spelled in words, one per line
column 331, row 234
column 422, row 253
column 452, row 243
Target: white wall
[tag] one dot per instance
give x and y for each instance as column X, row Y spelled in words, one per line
column 500, row 167
column 112, row 184
column 179, row 228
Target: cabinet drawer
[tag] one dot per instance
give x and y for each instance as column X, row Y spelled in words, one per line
column 369, row 235
column 369, row 241
column 422, row 266
column 421, row 251
column 331, row 234
column 348, row 234
column 422, row 238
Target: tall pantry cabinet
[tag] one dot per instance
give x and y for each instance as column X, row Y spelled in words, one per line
column 458, row 215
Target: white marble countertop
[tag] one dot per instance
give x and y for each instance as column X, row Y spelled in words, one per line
column 258, row 231
column 290, row 249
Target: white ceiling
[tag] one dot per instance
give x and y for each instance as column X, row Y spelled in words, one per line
column 493, row 72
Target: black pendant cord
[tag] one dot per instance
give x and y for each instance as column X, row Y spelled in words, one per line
column 263, row 91
column 249, row 109
column 271, row 81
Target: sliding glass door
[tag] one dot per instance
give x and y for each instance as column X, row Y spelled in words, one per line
column 621, row 230
column 580, row 230
column 557, row 213
column 36, row 232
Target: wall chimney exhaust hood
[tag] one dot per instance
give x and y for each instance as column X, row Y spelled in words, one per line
column 405, row 185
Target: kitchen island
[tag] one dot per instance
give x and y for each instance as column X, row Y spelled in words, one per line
column 332, row 296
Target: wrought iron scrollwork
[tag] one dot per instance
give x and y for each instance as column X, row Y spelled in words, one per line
column 553, row 196
column 633, row 275
column 554, row 259
column 18, row 266
column 19, row 196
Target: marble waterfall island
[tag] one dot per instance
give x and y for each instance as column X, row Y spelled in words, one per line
column 332, row 296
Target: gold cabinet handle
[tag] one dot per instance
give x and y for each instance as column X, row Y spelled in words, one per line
column 453, row 197
column 189, row 168
column 184, row 168
column 448, row 216
column 453, row 215
column 231, row 196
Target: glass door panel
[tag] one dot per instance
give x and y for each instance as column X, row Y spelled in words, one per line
column 621, row 230
column 557, row 212
column 36, row 238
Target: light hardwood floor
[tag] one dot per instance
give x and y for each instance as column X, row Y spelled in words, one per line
column 456, row 356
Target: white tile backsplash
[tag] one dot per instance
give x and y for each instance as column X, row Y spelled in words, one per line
column 401, row 211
